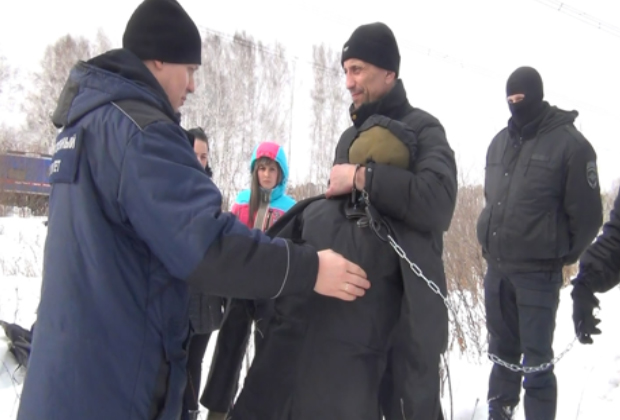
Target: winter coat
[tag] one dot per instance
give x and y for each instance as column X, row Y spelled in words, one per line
column 543, row 203
column 599, row 267
column 133, row 220
column 382, row 361
column 279, row 203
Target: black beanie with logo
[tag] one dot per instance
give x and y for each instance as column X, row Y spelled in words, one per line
column 373, row 43
column 162, row 30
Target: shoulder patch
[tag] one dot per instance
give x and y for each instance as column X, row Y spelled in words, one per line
column 65, row 162
column 592, row 174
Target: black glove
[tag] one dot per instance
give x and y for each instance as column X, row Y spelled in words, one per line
column 584, row 303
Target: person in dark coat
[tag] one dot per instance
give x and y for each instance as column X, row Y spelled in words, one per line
column 134, row 221
column 201, row 148
column 599, row 272
column 205, row 312
column 543, row 208
column 258, row 207
column 394, row 173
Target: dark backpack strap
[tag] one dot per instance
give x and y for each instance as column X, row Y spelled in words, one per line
column 141, row 113
column 287, row 225
column 144, row 114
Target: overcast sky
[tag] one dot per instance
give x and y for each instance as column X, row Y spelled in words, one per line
column 456, row 55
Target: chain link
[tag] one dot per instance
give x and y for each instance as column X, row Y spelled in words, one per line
column 433, row 286
column 418, row 271
column 532, row 369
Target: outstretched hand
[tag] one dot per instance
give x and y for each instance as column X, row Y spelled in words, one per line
column 339, row 277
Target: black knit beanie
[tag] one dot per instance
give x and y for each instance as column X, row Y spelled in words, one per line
column 373, row 43
column 162, row 30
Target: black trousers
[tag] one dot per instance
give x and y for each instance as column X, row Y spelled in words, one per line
column 521, row 310
column 197, row 347
column 232, row 341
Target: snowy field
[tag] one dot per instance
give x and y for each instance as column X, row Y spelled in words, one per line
column 588, row 376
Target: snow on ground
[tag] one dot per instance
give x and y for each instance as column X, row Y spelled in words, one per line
column 588, row 376
column 21, row 252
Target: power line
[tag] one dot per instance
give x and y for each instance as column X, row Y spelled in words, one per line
column 406, row 45
column 581, row 16
column 238, row 39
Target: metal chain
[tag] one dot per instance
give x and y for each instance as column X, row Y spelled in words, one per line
column 532, row 369
column 418, row 271
column 433, row 286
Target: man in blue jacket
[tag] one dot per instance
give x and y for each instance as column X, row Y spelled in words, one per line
column 133, row 221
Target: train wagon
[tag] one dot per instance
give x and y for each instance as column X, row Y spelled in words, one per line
column 24, row 180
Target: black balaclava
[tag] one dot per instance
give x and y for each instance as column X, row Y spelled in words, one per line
column 527, row 81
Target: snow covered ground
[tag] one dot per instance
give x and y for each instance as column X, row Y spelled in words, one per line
column 588, row 377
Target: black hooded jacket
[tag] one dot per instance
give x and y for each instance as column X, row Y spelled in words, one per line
column 543, row 204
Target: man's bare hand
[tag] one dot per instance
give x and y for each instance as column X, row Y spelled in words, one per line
column 339, row 277
column 341, row 180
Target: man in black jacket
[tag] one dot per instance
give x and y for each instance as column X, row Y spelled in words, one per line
column 599, row 271
column 381, row 360
column 418, row 202
column 543, row 208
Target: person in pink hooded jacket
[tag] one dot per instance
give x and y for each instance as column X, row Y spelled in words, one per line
column 262, row 204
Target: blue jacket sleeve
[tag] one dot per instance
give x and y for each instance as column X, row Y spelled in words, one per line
column 175, row 209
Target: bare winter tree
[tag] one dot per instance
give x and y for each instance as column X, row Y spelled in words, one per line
column 5, row 74
column 9, row 135
column 101, row 43
column 303, row 191
column 262, row 85
column 244, row 70
column 274, row 94
column 48, row 82
column 329, row 112
column 241, row 94
column 9, row 89
column 211, row 108
column 465, row 269
column 9, row 138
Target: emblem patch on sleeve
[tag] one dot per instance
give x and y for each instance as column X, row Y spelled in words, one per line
column 592, row 174
column 66, row 159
